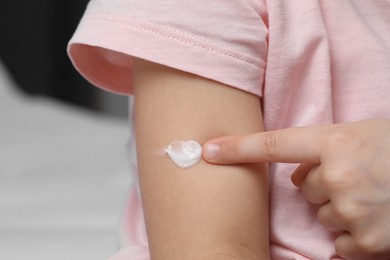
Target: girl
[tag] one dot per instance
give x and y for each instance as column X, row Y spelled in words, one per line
column 200, row 70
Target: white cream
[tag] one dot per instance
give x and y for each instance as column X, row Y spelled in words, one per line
column 184, row 153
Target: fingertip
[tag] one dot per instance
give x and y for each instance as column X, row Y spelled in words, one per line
column 211, row 151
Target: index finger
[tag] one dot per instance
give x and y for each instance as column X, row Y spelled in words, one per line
column 290, row 145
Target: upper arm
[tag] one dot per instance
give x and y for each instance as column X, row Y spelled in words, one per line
column 206, row 209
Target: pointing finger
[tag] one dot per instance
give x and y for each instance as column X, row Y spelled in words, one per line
column 292, row 145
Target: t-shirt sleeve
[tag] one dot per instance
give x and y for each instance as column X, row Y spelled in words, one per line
column 221, row 40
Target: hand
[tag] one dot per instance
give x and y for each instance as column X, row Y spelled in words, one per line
column 344, row 167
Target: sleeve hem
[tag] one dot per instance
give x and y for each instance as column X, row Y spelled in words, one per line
column 103, row 44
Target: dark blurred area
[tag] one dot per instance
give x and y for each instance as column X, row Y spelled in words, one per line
column 34, row 36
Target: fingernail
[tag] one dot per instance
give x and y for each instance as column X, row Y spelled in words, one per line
column 211, row 151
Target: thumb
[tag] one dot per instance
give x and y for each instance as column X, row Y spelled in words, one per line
column 290, row 145
column 300, row 173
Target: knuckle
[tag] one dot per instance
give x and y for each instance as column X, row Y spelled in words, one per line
column 370, row 244
column 340, row 245
column 338, row 138
column 271, row 144
column 336, row 179
column 348, row 212
column 323, row 217
column 343, row 138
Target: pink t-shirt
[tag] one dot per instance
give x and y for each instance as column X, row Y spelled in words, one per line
column 312, row 63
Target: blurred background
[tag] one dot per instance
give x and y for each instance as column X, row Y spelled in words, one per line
column 34, row 36
column 63, row 168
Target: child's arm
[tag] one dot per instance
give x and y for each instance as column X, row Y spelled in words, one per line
column 206, row 211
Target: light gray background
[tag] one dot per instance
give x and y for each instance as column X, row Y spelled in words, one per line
column 63, row 177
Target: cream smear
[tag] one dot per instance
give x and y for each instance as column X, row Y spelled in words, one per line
column 184, row 153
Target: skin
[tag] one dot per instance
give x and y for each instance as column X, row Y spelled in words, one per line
column 344, row 167
column 206, row 212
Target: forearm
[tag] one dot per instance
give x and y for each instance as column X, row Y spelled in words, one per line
column 206, row 211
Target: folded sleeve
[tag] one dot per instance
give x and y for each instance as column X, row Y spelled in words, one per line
column 221, row 40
